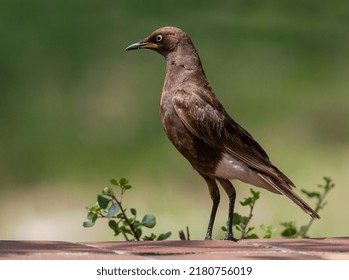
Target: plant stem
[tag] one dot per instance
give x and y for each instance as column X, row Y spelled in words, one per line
column 317, row 208
column 126, row 219
column 243, row 233
column 125, row 236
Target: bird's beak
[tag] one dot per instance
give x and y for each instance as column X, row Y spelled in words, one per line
column 141, row 45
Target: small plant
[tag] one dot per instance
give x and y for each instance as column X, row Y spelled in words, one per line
column 268, row 230
column 110, row 207
column 291, row 229
column 241, row 222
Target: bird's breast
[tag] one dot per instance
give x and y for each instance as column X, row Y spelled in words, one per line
column 201, row 155
column 173, row 126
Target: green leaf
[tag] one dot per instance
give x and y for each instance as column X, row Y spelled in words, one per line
column 119, row 216
column 250, row 229
column 108, row 191
column 92, row 216
column 127, row 223
column 148, row 221
column 310, row 194
column 290, row 230
column 255, row 194
column 328, row 184
column 114, row 208
column 164, row 236
column 246, row 202
column 238, row 228
column 93, row 208
column 252, row 236
column 268, row 230
column 127, row 187
column 138, row 232
column 114, row 226
column 103, row 201
column 114, row 182
column 123, row 182
column 149, row 238
column 88, row 224
column 236, row 218
column 125, row 230
column 244, row 220
column 133, row 211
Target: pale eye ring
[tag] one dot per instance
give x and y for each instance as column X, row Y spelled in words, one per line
column 159, row 38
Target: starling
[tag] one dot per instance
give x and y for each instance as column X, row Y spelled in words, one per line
column 197, row 124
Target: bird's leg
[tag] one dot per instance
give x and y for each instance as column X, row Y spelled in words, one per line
column 215, row 196
column 230, row 190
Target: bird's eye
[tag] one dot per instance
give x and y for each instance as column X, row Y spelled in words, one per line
column 158, row 38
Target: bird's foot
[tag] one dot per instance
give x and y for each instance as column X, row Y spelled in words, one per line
column 229, row 236
column 208, row 237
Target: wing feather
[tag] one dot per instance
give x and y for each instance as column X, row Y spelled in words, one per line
column 206, row 118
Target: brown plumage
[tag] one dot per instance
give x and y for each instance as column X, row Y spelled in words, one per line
column 217, row 147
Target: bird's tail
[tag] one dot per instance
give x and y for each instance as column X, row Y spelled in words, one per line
column 286, row 190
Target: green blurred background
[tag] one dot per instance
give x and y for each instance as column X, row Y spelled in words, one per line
column 76, row 110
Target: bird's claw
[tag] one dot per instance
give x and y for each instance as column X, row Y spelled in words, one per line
column 229, row 236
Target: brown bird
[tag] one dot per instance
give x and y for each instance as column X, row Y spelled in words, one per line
column 197, row 124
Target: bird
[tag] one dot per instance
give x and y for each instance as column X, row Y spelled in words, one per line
column 200, row 128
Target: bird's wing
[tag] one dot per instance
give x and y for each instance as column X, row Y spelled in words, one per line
column 205, row 117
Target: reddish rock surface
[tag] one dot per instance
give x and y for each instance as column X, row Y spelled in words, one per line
column 249, row 249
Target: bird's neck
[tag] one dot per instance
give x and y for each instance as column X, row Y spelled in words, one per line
column 185, row 56
column 187, row 63
column 179, row 70
column 183, row 67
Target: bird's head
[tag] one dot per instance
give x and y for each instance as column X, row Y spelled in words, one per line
column 174, row 44
column 164, row 40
